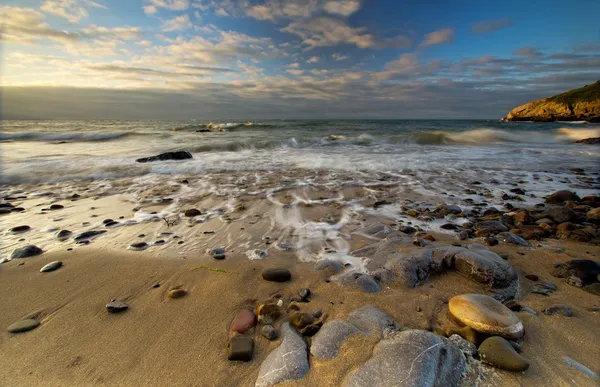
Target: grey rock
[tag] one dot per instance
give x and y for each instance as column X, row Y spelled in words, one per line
column 411, row 358
column 23, row 326
column 360, row 281
column 138, row 246
column 289, row 361
column 558, row 309
column 510, row 238
column 89, row 235
column 304, row 293
column 51, row 266
column 492, row 226
column 26, row 252
column 327, row 342
column 218, row 253
column 269, row 332
column 329, row 265
column 116, row 306
column 560, row 214
column 240, row 348
column 317, row 313
column 63, row 235
column 383, row 275
column 376, row 231
column 179, row 155
column 373, row 321
column 465, row 346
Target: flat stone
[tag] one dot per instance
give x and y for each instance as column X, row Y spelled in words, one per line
column 179, row 155
column 269, row 332
column 176, row 293
column 558, row 309
column 57, row 207
column 492, row 226
column 327, row 342
column 373, row 321
column 510, row 238
column 486, row 315
column 23, row 326
column 277, row 275
column 501, row 354
column 244, row 321
column 89, row 235
column 19, row 229
column 240, row 348
column 51, row 266
column 116, row 306
column 26, row 252
column 289, row 361
column 217, row 253
column 411, row 358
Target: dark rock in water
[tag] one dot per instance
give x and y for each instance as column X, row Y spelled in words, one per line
column 240, row 348
column 327, row 342
column 57, row 207
column 89, row 235
column 269, row 332
column 277, row 275
column 26, row 252
column 411, row 358
column 584, row 269
column 532, row 277
column 558, row 309
column 560, row 214
column 289, row 361
column 492, row 226
column 23, row 326
column 116, row 306
column 17, row 209
column 518, row 191
column 589, row 141
column 560, row 197
column 179, row 155
column 159, row 242
column 138, row 246
column 63, row 235
column 20, row 229
column 407, row 229
column 51, row 266
column 5, row 205
column 304, row 293
column 192, row 212
column 4, row 211
column 218, row 253
column 449, row 226
column 500, row 353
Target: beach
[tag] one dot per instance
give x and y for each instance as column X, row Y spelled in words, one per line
column 395, row 215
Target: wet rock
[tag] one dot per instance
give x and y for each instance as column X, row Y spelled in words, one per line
column 560, row 214
column 88, row 235
column 449, row 226
column 217, row 253
column 19, row 229
column 277, row 275
column 240, row 348
column 372, row 321
column 331, row 266
column 268, row 313
column 51, row 266
column 56, row 207
column 558, row 309
column 559, row 197
column 289, row 361
column 584, row 269
column 593, row 288
column 411, row 358
column 176, row 293
column 465, row 346
column 532, row 277
column 492, row 226
column 244, row 320
column 490, row 241
column 269, row 332
column 304, row 322
column 304, row 293
column 463, row 235
column 327, row 342
column 510, row 238
column 23, row 326
column 63, row 235
column 501, row 354
column 593, row 214
column 486, row 315
column 363, row 282
column 179, row 155
column 26, row 252
column 112, row 224
column 192, row 212
column 318, row 313
column 139, row 246
column 407, row 229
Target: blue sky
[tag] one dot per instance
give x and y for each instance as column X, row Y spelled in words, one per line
column 213, row 59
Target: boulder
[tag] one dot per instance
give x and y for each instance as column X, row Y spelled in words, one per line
column 560, row 197
column 372, row 321
column 363, row 282
column 179, row 155
column 560, row 214
column 327, row 342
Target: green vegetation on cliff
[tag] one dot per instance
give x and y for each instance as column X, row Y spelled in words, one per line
column 582, row 104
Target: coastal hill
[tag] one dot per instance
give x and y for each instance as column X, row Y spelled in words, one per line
column 582, row 104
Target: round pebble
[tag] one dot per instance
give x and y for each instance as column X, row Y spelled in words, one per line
column 20, row 229
column 277, row 275
column 304, row 293
column 501, row 354
column 243, row 321
column 269, row 332
column 138, row 246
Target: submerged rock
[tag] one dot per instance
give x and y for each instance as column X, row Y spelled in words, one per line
column 179, row 155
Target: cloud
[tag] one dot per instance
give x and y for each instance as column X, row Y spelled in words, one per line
column 150, row 9
column 171, row 5
column 294, row 65
column 295, row 71
column 178, row 23
column 71, row 10
column 528, row 53
column 314, row 59
column 344, row 8
column 326, row 31
column 489, row 26
column 339, row 57
column 434, row 38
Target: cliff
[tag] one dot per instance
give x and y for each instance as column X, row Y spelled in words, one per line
column 581, row 104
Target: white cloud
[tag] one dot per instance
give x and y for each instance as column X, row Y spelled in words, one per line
column 339, row 57
column 319, row 72
column 281, row 9
column 489, row 26
column 197, row 15
column 295, row 71
column 342, row 7
column 150, row 9
column 178, row 23
column 144, row 43
column 171, row 5
column 294, row 65
column 438, row 37
column 72, row 10
column 314, row 59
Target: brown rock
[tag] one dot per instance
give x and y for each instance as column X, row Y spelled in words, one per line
column 243, row 321
column 176, row 293
column 593, row 214
column 522, row 218
column 268, row 313
column 559, row 197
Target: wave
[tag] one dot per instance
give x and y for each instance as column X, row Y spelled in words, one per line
column 67, row 137
column 220, row 127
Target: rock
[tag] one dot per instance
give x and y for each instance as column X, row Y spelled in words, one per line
column 510, row 238
column 407, row 229
column 192, row 212
column 449, row 226
column 304, row 293
column 558, row 309
column 88, row 235
column 589, row 141
column 333, row 267
column 26, row 252
column 501, row 354
column 240, row 348
column 483, row 266
column 112, row 224
column 560, row 214
column 372, row 321
column 56, row 207
column 268, row 313
column 491, row 226
column 269, row 332
column 51, row 266
column 289, row 361
column 560, row 197
column 486, row 315
column 244, row 320
column 305, row 323
column 179, row 155
column 532, row 277
column 318, row 313
column 491, row 241
column 593, row 214
column 463, row 235
column 411, row 358
column 116, row 306
column 363, row 282
column 277, row 275
column 217, row 253
column 327, row 342
column 593, row 288
column 584, row 269
column 138, row 246
column 23, row 326
column 176, row 293
column 63, row 235
column 465, row 346
column 19, row 229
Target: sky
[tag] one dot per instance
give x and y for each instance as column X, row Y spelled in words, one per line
column 249, row 59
